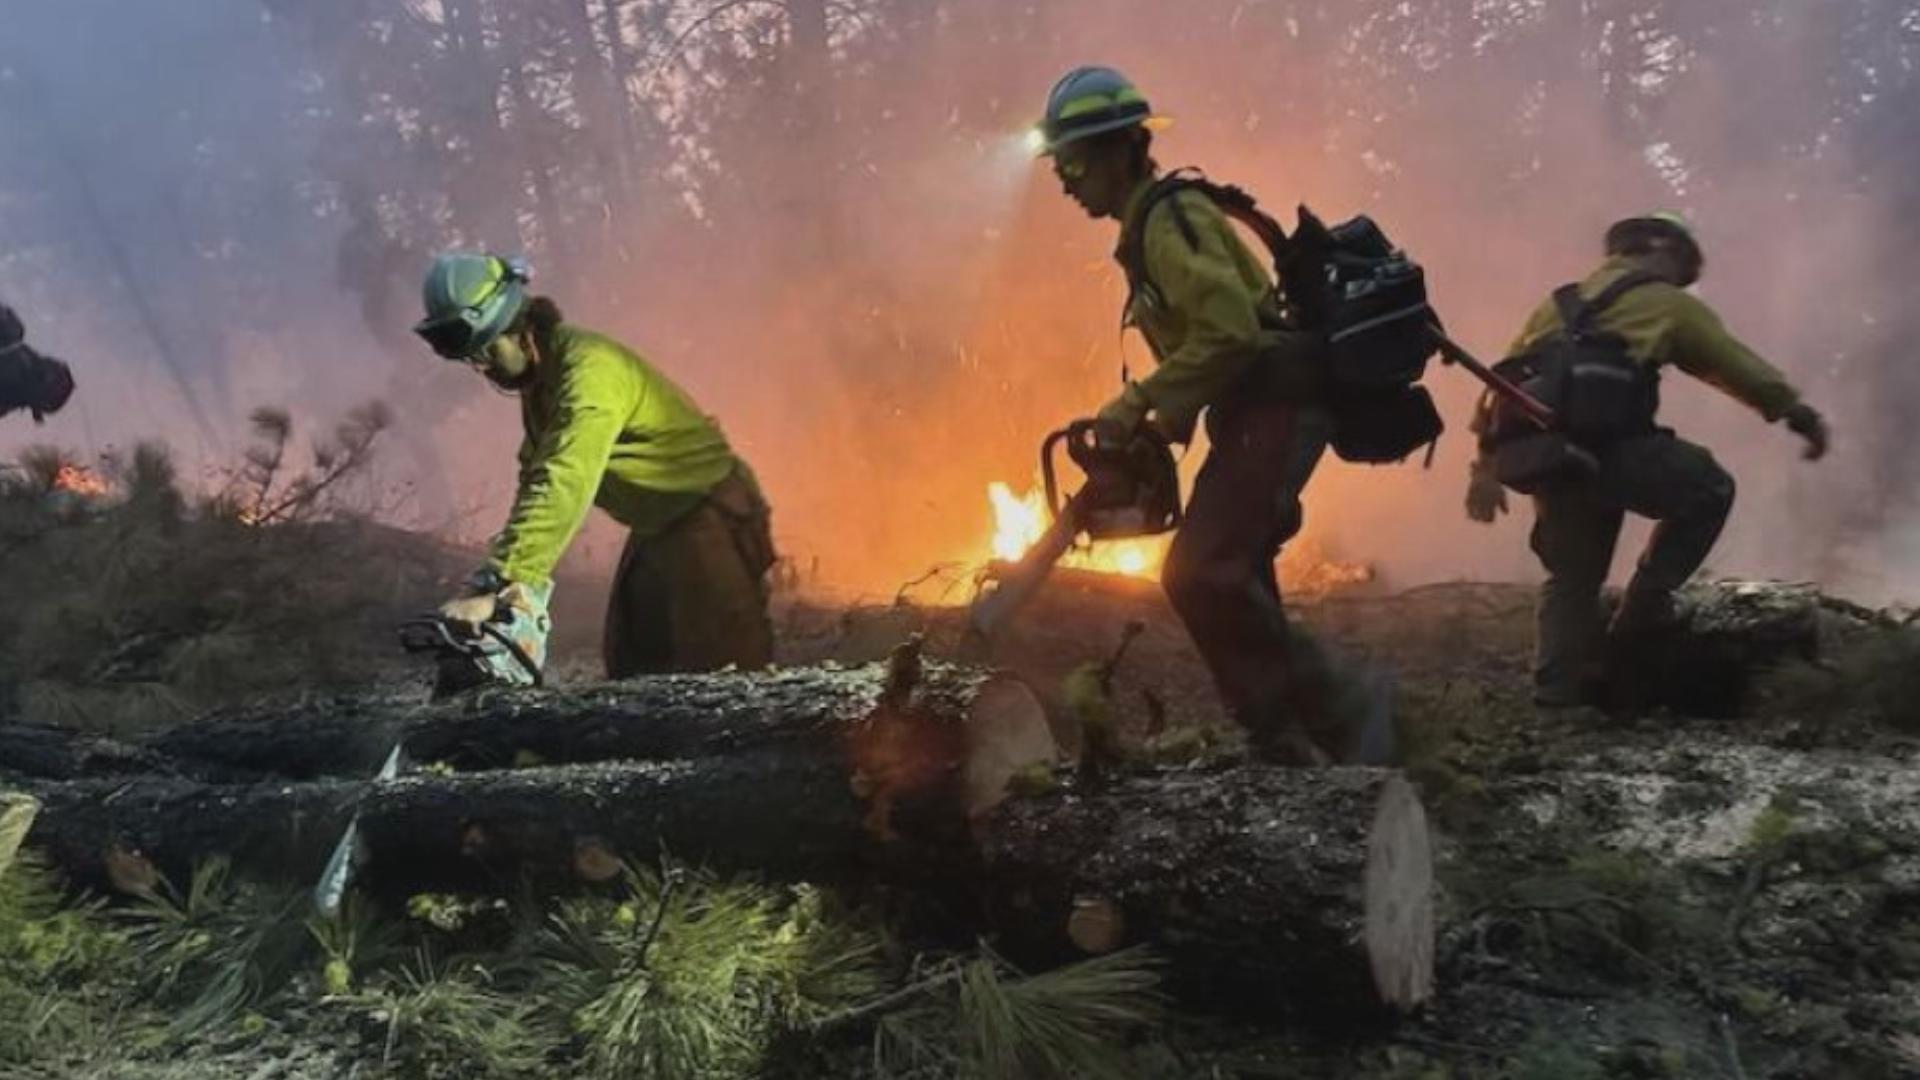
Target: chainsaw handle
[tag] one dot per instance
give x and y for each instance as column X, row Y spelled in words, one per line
column 514, row 650
column 1082, row 438
column 1049, row 476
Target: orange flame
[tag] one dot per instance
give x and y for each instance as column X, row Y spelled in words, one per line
column 1305, row 567
column 80, row 480
column 1308, row 572
column 1019, row 520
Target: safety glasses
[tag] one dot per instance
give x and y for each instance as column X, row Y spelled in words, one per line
column 1069, row 167
column 453, row 336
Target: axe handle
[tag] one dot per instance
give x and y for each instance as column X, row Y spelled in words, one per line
column 1538, row 411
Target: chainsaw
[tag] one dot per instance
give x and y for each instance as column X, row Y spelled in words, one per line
column 467, row 657
column 464, row 658
column 1132, row 490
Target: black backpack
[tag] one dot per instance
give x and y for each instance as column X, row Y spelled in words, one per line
column 1351, row 284
column 1598, row 392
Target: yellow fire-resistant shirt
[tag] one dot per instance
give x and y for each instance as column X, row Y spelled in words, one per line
column 1664, row 324
column 1203, row 318
column 603, row 426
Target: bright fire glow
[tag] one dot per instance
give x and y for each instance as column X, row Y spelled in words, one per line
column 1306, row 569
column 1019, row 520
column 80, row 480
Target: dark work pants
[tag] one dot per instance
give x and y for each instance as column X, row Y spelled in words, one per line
column 694, row 598
column 1576, row 526
column 1219, row 574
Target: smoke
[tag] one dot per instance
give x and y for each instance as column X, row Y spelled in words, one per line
column 817, row 219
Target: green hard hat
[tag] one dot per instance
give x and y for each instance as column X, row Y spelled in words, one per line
column 471, row 298
column 1090, row 101
column 1667, row 223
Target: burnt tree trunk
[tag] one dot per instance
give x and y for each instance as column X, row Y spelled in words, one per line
column 1276, row 888
column 782, row 813
column 783, row 770
column 970, row 713
column 1267, row 888
column 1728, row 635
column 31, row 752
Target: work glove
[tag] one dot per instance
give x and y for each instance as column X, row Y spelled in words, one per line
column 1805, row 421
column 1118, row 419
column 469, row 613
column 1486, row 497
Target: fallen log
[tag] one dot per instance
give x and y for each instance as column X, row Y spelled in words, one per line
column 867, row 708
column 898, row 749
column 1305, row 885
column 41, row 752
column 1729, row 635
column 1266, row 887
column 779, row 814
column 1079, row 619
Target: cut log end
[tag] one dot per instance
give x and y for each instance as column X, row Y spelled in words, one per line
column 1399, row 898
column 130, row 872
column 1097, row 925
column 1007, row 735
column 594, row 860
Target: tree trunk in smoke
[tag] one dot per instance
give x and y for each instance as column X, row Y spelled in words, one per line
column 601, row 101
column 482, row 199
column 530, row 126
column 807, row 152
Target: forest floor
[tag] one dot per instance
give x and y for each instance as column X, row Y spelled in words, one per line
column 1659, row 895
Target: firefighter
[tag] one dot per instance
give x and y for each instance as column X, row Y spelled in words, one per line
column 1211, row 319
column 1651, row 261
column 604, row 426
column 29, row 380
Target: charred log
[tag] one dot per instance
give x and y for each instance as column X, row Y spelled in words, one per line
column 35, row 752
column 774, row 813
column 899, row 753
column 1268, row 888
column 662, row 718
column 1728, row 635
column 1275, row 886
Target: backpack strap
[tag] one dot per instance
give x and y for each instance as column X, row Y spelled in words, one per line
column 1234, row 202
column 1577, row 315
column 1133, row 235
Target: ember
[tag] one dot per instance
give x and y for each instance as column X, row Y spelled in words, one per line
column 1307, row 571
column 80, row 480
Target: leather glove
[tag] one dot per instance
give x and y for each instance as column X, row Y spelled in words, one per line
column 1805, row 421
column 1486, row 497
column 470, row 612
